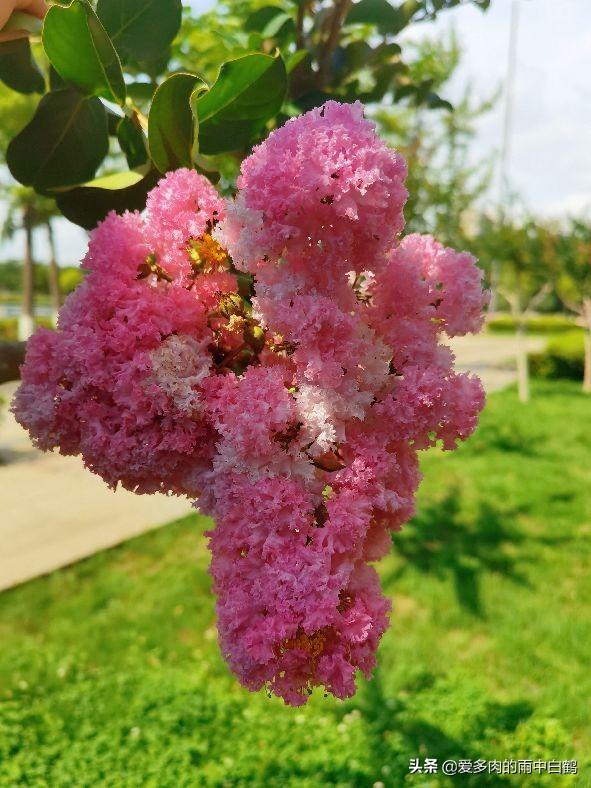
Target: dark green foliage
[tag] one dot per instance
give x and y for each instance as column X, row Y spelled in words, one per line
column 444, row 181
column 63, row 144
column 563, row 358
column 247, row 92
column 171, row 130
column 81, row 52
column 381, row 14
column 11, row 275
column 132, row 141
column 18, row 70
column 141, row 30
column 87, row 205
column 255, row 65
column 110, row 672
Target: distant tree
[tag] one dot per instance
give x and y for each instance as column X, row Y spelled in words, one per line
column 444, row 183
column 573, row 281
column 526, row 256
column 69, row 279
column 10, row 276
column 46, row 213
column 28, row 212
column 11, row 272
column 16, row 108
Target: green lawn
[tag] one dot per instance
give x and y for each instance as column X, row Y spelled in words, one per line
column 110, row 673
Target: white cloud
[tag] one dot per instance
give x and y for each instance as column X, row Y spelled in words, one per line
column 550, row 159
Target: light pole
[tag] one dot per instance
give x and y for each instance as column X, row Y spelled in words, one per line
column 504, row 185
column 508, row 113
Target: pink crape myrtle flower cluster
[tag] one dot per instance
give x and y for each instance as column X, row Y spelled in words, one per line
column 278, row 358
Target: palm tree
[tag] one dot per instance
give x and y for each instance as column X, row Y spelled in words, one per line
column 28, row 211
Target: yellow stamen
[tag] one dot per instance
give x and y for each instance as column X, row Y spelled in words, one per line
column 206, row 254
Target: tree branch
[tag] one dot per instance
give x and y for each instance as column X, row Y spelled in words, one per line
column 537, row 299
column 300, row 39
column 572, row 306
column 512, row 299
column 339, row 14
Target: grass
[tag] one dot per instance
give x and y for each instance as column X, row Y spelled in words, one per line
column 110, row 673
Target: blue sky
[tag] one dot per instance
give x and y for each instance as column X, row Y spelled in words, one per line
column 550, row 162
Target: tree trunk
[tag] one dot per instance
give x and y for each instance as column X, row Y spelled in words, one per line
column 522, row 362
column 54, row 287
column 587, row 375
column 339, row 13
column 26, row 323
column 493, row 304
column 586, row 315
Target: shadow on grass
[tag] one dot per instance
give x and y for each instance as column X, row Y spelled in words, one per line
column 439, row 541
column 396, row 726
column 508, row 436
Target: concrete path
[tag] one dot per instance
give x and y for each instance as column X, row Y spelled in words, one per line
column 491, row 357
column 54, row 512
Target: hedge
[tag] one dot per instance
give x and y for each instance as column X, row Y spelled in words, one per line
column 563, row 358
column 9, row 327
column 540, row 324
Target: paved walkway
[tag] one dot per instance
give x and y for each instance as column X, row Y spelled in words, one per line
column 490, row 357
column 53, row 512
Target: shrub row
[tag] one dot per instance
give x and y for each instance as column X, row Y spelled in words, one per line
column 563, row 358
column 9, row 327
column 540, row 324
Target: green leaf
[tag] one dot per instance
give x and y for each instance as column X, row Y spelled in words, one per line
column 171, row 130
column 387, row 51
column 132, row 141
column 247, row 92
column 153, row 68
column 81, row 52
column 260, row 18
column 117, row 180
column 55, row 81
column 355, row 56
column 279, row 25
column 386, row 18
column 63, row 144
column 87, row 205
column 141, row 92
column 434, row 101
column 405, row 91
column 18, row 69
column 140, row 29
column 294, row 60
column 383, row 76
column 113, row 121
